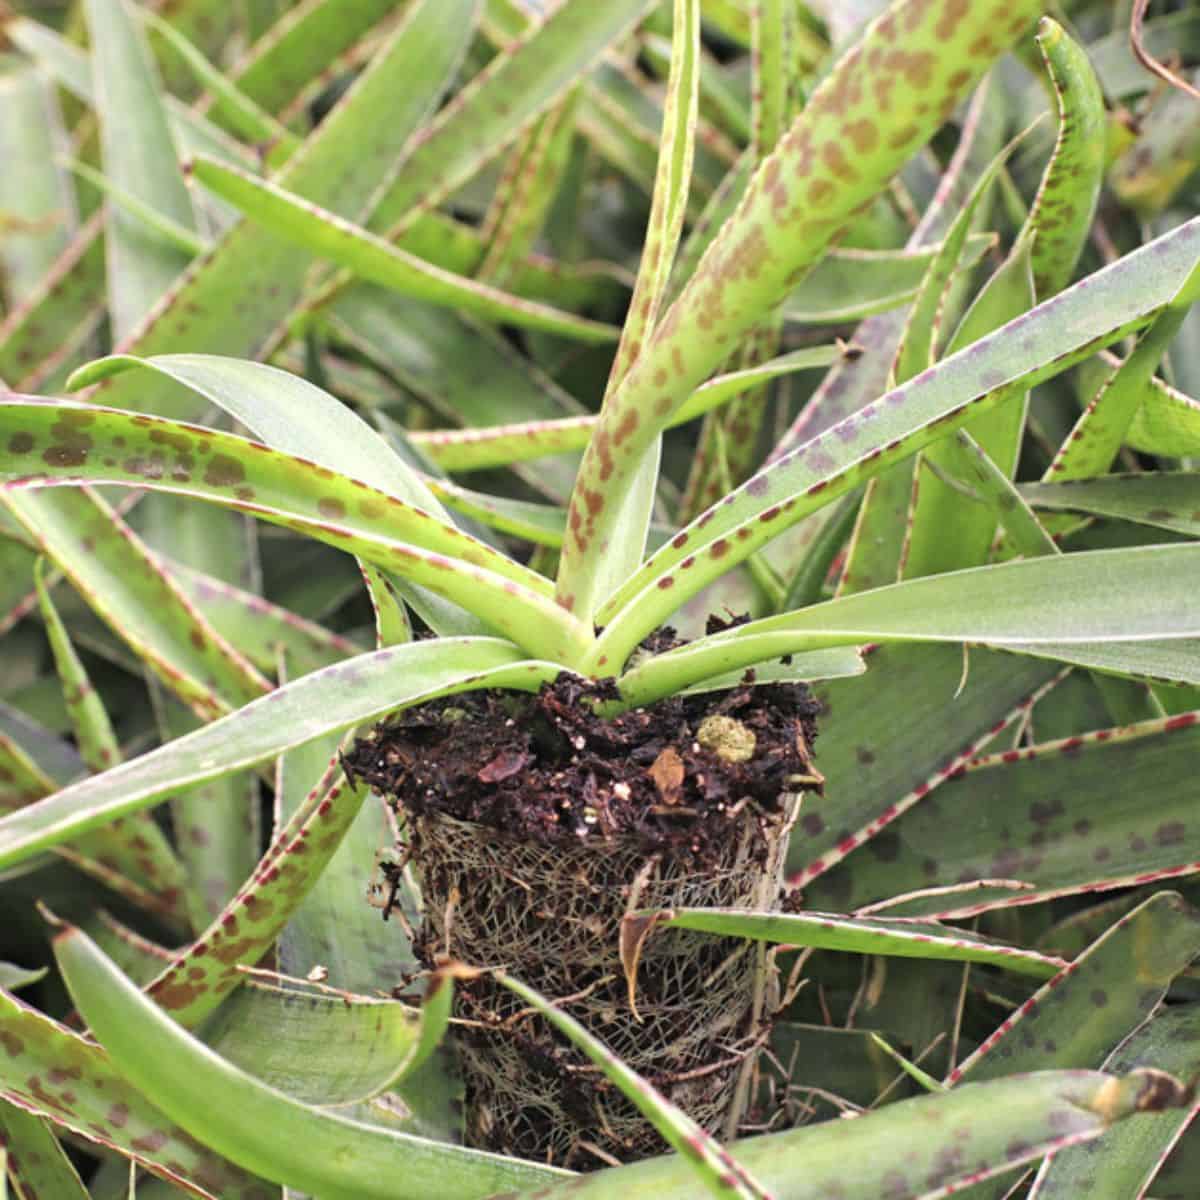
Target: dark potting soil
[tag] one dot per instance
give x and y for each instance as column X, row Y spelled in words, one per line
column 544, row 768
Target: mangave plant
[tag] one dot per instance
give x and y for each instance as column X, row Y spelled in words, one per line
column 309, row 264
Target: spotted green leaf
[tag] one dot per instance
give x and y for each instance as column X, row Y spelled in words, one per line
column 375, row 260
column 56, row 1074
column 892, row 1150
column 1065, row 828
column 997, row 368
column 857, row 129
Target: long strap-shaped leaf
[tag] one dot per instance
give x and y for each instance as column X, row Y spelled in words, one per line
column 672, row 182
column 881, row 102
column 919, row 1149
column 483, row 446
column 715, row 1167
column 1096, row 311
column 48, row 444
column 374, row 259
column 258, row 1127
column 1041, row 605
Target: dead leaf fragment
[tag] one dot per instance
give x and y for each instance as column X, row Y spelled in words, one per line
column 667, row 773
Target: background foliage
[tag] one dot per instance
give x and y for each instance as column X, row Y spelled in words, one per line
column 450, row 205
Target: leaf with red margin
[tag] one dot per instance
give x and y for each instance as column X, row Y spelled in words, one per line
column 53, row 1073
column 1066, row 817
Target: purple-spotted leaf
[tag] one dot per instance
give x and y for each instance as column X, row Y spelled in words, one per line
column 856, row 131
column 1062, row 211
column 1098, row 434
column 257, row 1126
column 321, row 1047
column 35, row 196
column 716, row 1169
column 140, row 158
column 58, row 316
column 136, row 847
column 1166, row 421
column 1066, row 329
column 260, row 629
column 985, row 1129
column 235, row 298
column 325, row 701
column 54, row 1073
column 113, row 447
column 847, row 284
column 36, row 1161
column 480, row 446
column 203, row 973
column 1126, row 1162
column 89, row 718
column 1078, row 1018
column 129, row 589
column 286, row 412
column 1047, row 816
column 521, row 82
column 668, row 206
column 878, row 767
column 865, row 935
column 1162, row 499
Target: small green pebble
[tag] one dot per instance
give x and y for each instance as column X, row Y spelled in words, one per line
column 726, row 738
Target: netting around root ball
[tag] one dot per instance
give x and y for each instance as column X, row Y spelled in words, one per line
column 550, row 915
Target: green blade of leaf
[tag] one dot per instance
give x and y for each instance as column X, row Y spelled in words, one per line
column 272, row 1135
column 1166, row 421
column 242, row 475
column 122, row 580
column 865, row 935
column 325, row 701
column 1062, row 210
column 37, row 1163
column 1089, row 597
column 286, row 412
column 1098, row 434
column 1027, row 1116
column 140, row 156
column 304, row 43
column 849, row 284
column 234, row 300
column 716, row 1169
column 996, row 368
column 242, row 115
column 1163, row 499
column 858, row 128
column 476, row 448
column 262, row 630
column 521, row 82
column 35, row 197
column 1126, row 1162
column 62, row 312
column 944, row 537
column 668, row 205
column 375, row 260
column 1047, row 816
column 99, row 1106
column 194, row 980
column 1100, row 998
column 317, row 1047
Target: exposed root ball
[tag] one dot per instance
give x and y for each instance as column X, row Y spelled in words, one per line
column 535, row 828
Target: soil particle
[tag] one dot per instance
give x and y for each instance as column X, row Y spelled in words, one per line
column 546, row 769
